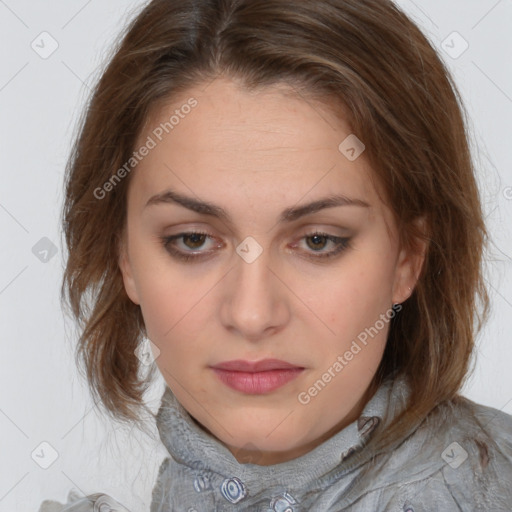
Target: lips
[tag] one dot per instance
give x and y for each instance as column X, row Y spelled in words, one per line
column 255, row 378
column 264, row 365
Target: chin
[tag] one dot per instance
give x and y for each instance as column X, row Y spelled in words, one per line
column 274, row 438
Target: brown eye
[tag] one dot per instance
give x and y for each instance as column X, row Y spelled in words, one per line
column 189, row 246
column 318, row 241
column 196, row 240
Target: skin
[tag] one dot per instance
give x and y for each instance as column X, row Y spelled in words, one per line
column 255, row 154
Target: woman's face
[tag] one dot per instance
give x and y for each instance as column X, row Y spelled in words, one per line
column 282, row 268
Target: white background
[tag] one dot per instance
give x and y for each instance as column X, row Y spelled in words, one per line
column 42, row 397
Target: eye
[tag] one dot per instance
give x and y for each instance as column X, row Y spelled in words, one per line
column 191, row 243
column 318, row 241
column 189, row 240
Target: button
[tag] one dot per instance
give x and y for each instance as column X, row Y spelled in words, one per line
column 233, row 490
column 283, row 503
column 202, row 479
column 201, row 483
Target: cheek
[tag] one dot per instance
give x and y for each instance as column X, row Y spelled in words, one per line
column 355, row 298
column 173, row 325
column 176, row 312
column 165, row 300
column 165, row 295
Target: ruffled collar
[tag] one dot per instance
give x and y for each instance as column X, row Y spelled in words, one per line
column 201, row 455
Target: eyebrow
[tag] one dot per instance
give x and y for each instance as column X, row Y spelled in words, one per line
column 287, row 215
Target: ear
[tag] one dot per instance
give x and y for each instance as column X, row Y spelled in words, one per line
column 126, row 271
column 409, row 265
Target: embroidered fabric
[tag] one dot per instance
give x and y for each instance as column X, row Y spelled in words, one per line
column 458, row 458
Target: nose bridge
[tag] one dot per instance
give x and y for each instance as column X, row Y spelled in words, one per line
column 254, row 303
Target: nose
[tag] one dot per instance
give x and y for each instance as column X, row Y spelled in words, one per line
column 254, row 303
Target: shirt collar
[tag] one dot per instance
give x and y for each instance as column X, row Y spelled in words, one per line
column 191, row 446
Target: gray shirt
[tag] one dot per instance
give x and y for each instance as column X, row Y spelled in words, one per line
column 459, row 458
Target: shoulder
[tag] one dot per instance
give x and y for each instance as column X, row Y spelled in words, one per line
column 460, row 455
column 485, row 433
column 478, row 452
column 77, row 503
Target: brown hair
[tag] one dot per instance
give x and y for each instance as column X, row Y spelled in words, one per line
column 402, row 103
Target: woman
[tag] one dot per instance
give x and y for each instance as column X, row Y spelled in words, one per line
column 279, row 195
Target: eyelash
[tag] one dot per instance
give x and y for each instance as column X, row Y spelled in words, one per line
column 342, row 245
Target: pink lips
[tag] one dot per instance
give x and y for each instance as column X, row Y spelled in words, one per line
column 256, row 377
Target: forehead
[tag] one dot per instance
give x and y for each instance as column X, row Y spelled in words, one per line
column 264, row 144
column 273, row 117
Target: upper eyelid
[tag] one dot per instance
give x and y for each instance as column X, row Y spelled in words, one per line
column 343, row 231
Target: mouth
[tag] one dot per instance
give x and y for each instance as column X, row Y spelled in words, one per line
column 258, row 377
